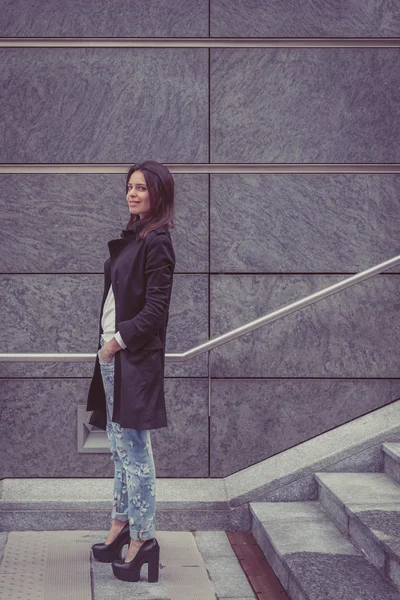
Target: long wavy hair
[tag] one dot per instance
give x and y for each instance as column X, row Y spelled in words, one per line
column 161, row 188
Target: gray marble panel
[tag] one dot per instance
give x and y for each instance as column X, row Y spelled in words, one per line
column 116, row 18
column 303, row 222
column 325, row 18
column 112, row 105
column 182, row 448
column 353, row 333
column 255, row 419
column 61, row 222
column 61, row 313
column 38, row 430
column 318, row 105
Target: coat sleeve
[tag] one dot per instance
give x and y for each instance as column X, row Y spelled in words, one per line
column 159, row 269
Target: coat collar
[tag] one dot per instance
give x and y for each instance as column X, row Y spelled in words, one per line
column 134, row 232
column 130, row 234
column 127, row 237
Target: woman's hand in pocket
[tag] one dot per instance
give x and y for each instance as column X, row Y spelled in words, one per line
column 109, row 349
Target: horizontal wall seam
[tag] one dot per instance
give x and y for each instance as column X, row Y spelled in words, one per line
column 200, row 42
column 213, row 378
column 206, row 168
column 202, row 273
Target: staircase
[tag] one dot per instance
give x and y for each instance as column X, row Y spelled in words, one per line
column 343, row 546
column 326, row 512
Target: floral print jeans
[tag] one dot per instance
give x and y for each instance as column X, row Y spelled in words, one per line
column 134, row 474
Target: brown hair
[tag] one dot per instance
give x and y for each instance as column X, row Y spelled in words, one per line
column 161, row 187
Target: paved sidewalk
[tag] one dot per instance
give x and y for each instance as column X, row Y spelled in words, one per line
column 42, row 565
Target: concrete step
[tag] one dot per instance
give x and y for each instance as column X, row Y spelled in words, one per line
column 37, row 503
column 391, row 459
column 366, row 507
column 312, row 558
column 76, row 504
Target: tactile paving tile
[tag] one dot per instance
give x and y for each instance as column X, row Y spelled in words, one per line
column 46, row 565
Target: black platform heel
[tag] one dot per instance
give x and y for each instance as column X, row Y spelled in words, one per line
column 130, row 571
column 109, row 552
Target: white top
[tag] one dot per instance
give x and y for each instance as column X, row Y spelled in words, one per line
column 108, row 320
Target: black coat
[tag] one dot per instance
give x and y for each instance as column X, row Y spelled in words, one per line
column 141, row 274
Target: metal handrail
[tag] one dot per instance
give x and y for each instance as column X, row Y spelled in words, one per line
column 226, row 337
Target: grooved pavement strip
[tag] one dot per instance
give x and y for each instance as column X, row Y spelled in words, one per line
column 46, row 565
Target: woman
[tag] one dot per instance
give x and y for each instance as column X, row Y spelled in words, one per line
column 126, row 393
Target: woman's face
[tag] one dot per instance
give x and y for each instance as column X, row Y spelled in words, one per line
column 138, row 195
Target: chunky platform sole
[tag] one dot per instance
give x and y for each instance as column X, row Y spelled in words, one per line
column 149, row 553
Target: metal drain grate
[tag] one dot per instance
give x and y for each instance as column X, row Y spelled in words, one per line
column 46, row 565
